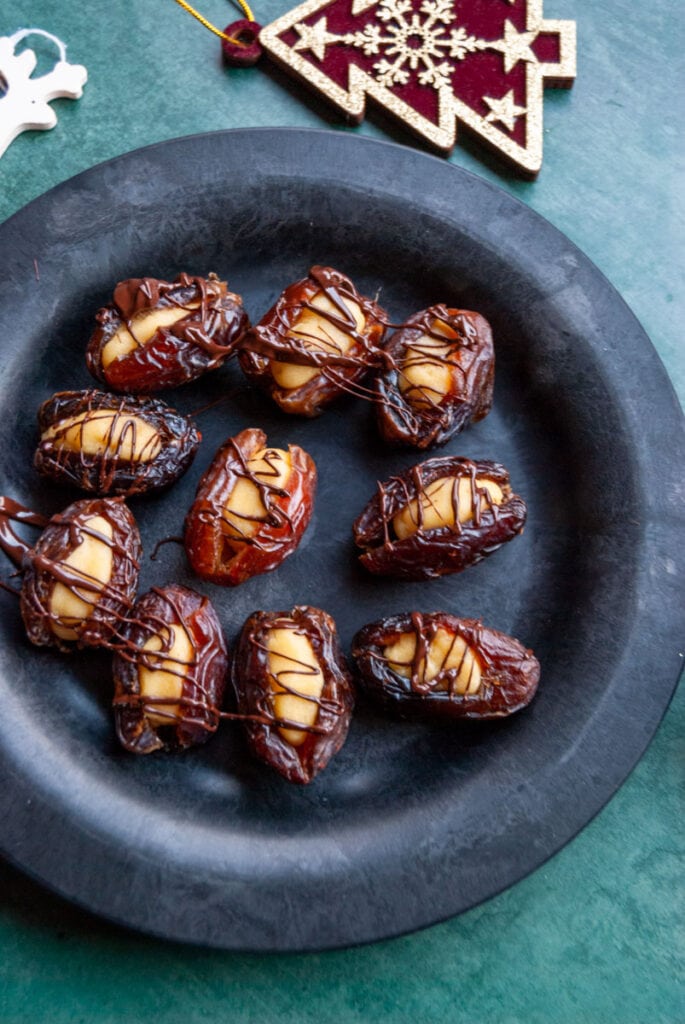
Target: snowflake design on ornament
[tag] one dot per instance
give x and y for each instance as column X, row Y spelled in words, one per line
column 414, row 42
column 410, row 41
column 433, row 64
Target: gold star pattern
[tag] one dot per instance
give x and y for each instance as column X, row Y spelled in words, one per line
column 515, row 46
column 314, row 38
column 504, row 110
column 418, row 60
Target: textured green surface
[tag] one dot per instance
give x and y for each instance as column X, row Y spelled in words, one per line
column 596, row 935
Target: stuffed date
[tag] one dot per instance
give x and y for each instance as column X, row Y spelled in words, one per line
column 439, row 517
column 169, row 672
column 251, row 509
column 293, row 686
column 437, row 665
column 317, row 342
column 159, row 334
column 80, row 579
column 113, row 444
column 438, row 377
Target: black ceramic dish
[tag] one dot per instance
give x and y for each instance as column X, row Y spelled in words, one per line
column 410, row 823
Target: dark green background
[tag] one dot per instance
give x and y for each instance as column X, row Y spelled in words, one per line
column 596, row 935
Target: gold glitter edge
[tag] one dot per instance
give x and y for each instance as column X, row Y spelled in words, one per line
column 452, row 111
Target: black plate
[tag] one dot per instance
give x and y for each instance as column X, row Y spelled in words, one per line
column 410, row 823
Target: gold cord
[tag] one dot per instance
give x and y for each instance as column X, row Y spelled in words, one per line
column 246, row 9
column 212, row 28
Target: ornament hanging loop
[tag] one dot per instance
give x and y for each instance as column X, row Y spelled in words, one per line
column 239, row 41
column 246, row 32
column 23, row 33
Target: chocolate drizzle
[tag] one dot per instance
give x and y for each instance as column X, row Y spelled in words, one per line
column 13, row 546
column 218, row 548
column 144, row 722
column 509, row 672
column 274, row 513
column 406, row 414
column 122, row 465
column 227, row 545
column 450, row 547
column 199, row 341
column 416, row 489
column 279, row 337
column 413, row 414
column 45, row 566
column 266, row 701
column 425, row 629
column 257, row 690
column 141, row 295
column 271, row 337
column 196, row 714
column 161, row 543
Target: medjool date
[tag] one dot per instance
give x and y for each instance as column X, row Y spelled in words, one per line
column 292, row 683
column 113, row 444
column 442, row 666
column 80, row 579
column 252, row 507
column 159, row 334
column 438, row 517
column 169, row 671
column 438, row 378
column 317, row 342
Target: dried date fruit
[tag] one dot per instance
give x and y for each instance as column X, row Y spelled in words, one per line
column 169, row 671
column 438, row 517
column 441, row 666
column 439, row 377
column 159, row 334
column 318, row 341
column 251, row 509
column 80, row 579
column 293, row 686
column 113, row 444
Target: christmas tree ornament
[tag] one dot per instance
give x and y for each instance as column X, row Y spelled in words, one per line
column 25, row 101
column 432, row 64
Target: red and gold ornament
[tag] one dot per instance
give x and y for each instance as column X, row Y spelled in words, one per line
column 432, row 64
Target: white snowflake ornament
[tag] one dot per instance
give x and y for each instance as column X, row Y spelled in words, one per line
column 25, row 101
